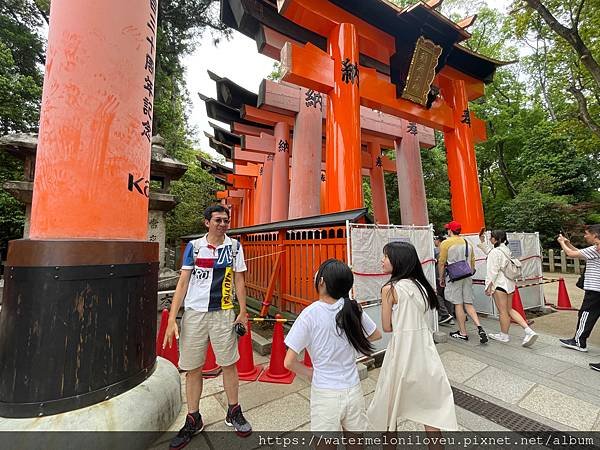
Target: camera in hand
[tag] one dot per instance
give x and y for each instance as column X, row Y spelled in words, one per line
column 239, row 329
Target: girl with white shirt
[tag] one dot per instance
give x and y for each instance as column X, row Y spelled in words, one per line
column 334, row 330
column 502, row 288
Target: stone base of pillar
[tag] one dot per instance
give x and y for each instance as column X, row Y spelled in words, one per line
column 77, row 324
column 149, row 409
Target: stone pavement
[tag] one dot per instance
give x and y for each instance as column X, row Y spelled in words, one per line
column 548, row 383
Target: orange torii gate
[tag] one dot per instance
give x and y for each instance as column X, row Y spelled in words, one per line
column 283, row 103
column 407, row 62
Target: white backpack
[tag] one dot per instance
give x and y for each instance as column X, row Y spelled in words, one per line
column 513, row 269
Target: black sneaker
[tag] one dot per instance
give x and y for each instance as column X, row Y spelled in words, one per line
column 457, row 335
column 236, row 419
column 595, row 366
column 482, row 336
column 445, row 319
column 192, row 427
column 572, row 343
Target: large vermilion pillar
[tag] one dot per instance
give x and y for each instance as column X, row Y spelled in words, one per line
column 380, row 207
column 465, row 194
column 343, row 157
column 267, row 189
column 305, row 185
column 281, row 173
column 78, row 320
column 411, row 186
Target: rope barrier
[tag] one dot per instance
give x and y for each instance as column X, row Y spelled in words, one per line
column 480, row 282
column 264, row 256
column 361, row 274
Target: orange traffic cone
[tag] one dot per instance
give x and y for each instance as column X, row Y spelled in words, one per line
column 517, row 305
column 247, row 371
column 563, row 302
column 307, row 360
column 276, row 372
column 210, row 369
column 169, row 352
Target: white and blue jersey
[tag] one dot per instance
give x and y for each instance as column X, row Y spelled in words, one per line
column 211, row 282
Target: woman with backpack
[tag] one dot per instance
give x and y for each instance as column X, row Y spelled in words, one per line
column 500, row 284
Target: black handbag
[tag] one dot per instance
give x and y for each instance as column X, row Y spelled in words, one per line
column 581, row 280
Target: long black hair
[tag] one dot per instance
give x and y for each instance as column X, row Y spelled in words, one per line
column 500, row 236
column 338, row 279
column 405, row 264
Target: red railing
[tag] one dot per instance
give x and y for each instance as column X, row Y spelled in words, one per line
column 281, row 264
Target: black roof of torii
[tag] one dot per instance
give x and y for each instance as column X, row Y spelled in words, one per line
column 250, row 16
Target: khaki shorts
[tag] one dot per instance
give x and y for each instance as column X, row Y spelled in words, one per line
column 459, row 292
column 197, row 328
column 338, row 409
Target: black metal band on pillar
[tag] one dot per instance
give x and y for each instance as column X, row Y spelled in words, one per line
column 77, row 325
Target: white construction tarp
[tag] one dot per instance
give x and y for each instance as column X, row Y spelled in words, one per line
column 525, row 247
column 365, row 248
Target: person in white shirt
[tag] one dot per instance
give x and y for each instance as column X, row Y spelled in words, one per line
column 334, row 330
column 502, row 288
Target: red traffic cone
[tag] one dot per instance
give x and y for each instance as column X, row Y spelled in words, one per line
column 563, row 302
column 169, row 352
column 210, row 369
column 517, row 305
column 307, row 360
column 247, row 371
column 276, row 372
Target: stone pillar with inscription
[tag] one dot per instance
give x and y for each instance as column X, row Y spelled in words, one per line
column 78, row 320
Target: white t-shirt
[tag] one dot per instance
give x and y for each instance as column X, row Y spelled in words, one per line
column 332, row 355
column 591, row 281
column 211, row 282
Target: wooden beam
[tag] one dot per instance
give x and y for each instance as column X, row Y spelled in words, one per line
column 317, row 75
column 249, row 170
column 264, row 143
column 475, row 88
column 222, row 194
column 240, row 155
column 322, row 16
column 285, row 98
column 241, row 182
column 381, row 95
column 242, row 128
column 479, row 128
column 235, row 194
column 265, row 117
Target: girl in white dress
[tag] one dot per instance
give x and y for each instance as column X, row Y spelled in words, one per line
column 412, row 383
column 502, row 288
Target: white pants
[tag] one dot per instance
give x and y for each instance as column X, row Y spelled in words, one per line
column 337, row 409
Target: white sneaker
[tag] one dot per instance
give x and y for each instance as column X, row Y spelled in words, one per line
column 499, row 337
column 529, row 339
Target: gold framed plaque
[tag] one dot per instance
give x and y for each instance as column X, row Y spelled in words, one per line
column 421, row 71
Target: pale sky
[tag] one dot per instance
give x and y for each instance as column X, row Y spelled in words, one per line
column 239, row 60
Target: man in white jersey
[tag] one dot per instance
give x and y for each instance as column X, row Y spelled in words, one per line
column 210, row 266
column 590, row 308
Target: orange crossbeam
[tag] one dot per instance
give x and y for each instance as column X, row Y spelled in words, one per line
column 241, row 182
column 254, row 114
column 322, row 16
column 265, row 143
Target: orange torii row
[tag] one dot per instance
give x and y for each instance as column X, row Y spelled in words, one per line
column 405, row 62
column 302, row 111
